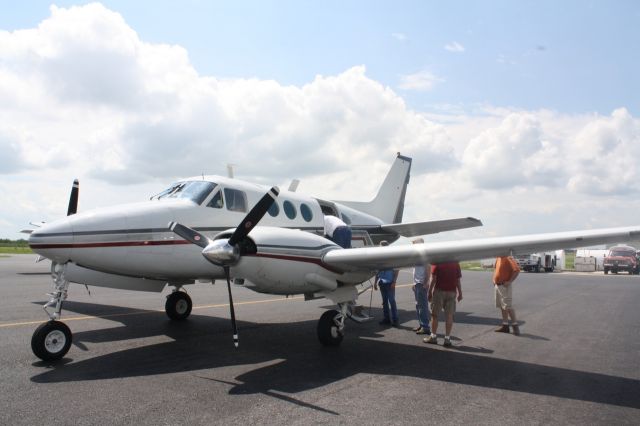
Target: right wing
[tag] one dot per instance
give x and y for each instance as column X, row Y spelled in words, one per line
column 376, row 258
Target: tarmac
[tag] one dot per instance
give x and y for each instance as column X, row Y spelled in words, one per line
column 576, row 362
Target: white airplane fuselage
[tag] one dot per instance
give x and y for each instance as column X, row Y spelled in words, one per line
column 133, row 241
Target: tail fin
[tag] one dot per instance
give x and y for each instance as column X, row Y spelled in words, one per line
column 388, row 204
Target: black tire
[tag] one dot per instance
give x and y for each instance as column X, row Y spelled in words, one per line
column 537, row 268
column 178, row 305
column 328, row 332
column 606, row 271
column 51, row 341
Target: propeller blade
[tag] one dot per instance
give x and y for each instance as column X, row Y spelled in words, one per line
column 194, row 237
column 233, row 312
column 254, row 216
column 73, row 199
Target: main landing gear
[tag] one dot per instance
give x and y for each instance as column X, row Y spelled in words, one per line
column 331, row 323
column 178, row 305
column 52, row 340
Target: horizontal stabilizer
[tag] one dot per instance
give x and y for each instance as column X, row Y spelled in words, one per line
column 431, row 227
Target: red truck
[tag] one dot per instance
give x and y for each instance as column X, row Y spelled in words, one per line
column 621, row 258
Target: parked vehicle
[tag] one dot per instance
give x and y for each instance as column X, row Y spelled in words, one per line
column 537, row 262
column 621, row 258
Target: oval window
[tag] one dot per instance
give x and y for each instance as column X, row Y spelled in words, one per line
column 289, row 209
column 306, row 213
column 274, row 210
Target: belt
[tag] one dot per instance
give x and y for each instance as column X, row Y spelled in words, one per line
column 499, row 283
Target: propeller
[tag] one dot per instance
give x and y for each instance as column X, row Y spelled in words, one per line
column 73, row 199
column 226, row 253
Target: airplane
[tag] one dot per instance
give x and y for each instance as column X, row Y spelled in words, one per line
column 208, row 228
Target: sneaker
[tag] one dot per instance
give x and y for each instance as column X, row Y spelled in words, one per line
column 395, row 324
column 504, row 328
column 447, row 343
column 422, row 330
column 416, row 328
column 516, row 329
column 385, row 322
column 431, row 339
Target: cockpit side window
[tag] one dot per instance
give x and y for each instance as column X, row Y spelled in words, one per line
column 236, row 200
column 216, row 202
column 195, row 191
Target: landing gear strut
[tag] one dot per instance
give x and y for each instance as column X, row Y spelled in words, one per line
column 52, row 340
column 178, row 305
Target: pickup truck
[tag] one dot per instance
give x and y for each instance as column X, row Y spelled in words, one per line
column 621, row 258
column 536, row 262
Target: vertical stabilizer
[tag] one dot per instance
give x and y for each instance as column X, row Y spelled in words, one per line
column 388, row 204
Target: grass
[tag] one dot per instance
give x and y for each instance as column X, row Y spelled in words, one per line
column 15, row 250
column 472, row 266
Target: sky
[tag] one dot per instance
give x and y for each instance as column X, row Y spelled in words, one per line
column 522, row 114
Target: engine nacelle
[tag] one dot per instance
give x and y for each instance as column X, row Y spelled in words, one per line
column 287, row 261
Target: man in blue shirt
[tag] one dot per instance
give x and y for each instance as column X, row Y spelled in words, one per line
column 386, row 280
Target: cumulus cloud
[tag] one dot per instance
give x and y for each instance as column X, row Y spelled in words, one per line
column 421, row 81
column 135, row 111
column 454, row 46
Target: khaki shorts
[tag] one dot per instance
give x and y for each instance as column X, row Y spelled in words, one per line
column 443, row 300
column 503, row 296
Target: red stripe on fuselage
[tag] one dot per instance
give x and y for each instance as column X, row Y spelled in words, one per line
column 315, row 260
column 112, row 244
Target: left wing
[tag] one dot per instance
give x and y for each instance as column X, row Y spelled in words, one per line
column 375, row 258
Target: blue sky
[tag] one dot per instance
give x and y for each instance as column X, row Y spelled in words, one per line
column 514, row 112
column 570, row 56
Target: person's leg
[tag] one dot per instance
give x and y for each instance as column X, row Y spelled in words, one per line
column 423, row 307
column 500, row 304
column 385, row 301
column 392, row 304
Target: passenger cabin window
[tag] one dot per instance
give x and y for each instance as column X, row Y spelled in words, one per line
column 289, row 209
column 236, row 200
column 216, row 202
column 274, row 210
column 306, row 212
column 195, row 191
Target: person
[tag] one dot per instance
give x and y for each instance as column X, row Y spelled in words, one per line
column 445, row 282
column 337, row 231
column 507, row 270
column 386, row 281
column 421, row 275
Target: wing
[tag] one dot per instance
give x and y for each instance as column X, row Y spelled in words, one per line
column 431, row 227
column 375, row 258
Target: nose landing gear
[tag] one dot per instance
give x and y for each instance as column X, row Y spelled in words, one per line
column 52, row 340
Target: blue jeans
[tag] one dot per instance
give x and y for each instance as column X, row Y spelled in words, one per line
column 342, row 236
column 388, row 293
column 422, row 305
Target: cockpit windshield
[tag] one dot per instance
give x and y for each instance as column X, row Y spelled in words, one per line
column 195, row 191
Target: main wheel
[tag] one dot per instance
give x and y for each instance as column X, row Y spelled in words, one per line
column 178, row 305
column 51, row 341
column 328, row 331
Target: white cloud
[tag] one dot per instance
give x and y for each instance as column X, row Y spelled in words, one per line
column 454, row 46
column 84, row 96
column 421, row 81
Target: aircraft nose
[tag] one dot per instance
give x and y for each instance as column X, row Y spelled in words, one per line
column 53, row 240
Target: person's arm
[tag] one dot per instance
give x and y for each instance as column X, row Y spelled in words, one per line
column 427, row 276
column 432, row 285
column 459, row 288
column 396, row 272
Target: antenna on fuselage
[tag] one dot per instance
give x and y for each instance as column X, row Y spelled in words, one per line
column 294, row 185
column 230, row 170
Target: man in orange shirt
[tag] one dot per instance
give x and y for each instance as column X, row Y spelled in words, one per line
column 507, row 270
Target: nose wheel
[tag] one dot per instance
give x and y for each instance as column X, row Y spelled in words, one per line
column 178, row 305
column 51, row 341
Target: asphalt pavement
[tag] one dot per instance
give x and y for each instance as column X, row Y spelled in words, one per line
column 576, row 362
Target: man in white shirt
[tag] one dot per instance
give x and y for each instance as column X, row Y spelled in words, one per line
column 337, row 231
column 421, row 275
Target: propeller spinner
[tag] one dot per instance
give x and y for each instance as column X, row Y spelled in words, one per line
column 226, row 253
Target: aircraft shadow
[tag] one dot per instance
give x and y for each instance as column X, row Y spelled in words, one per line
column 204, row 343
